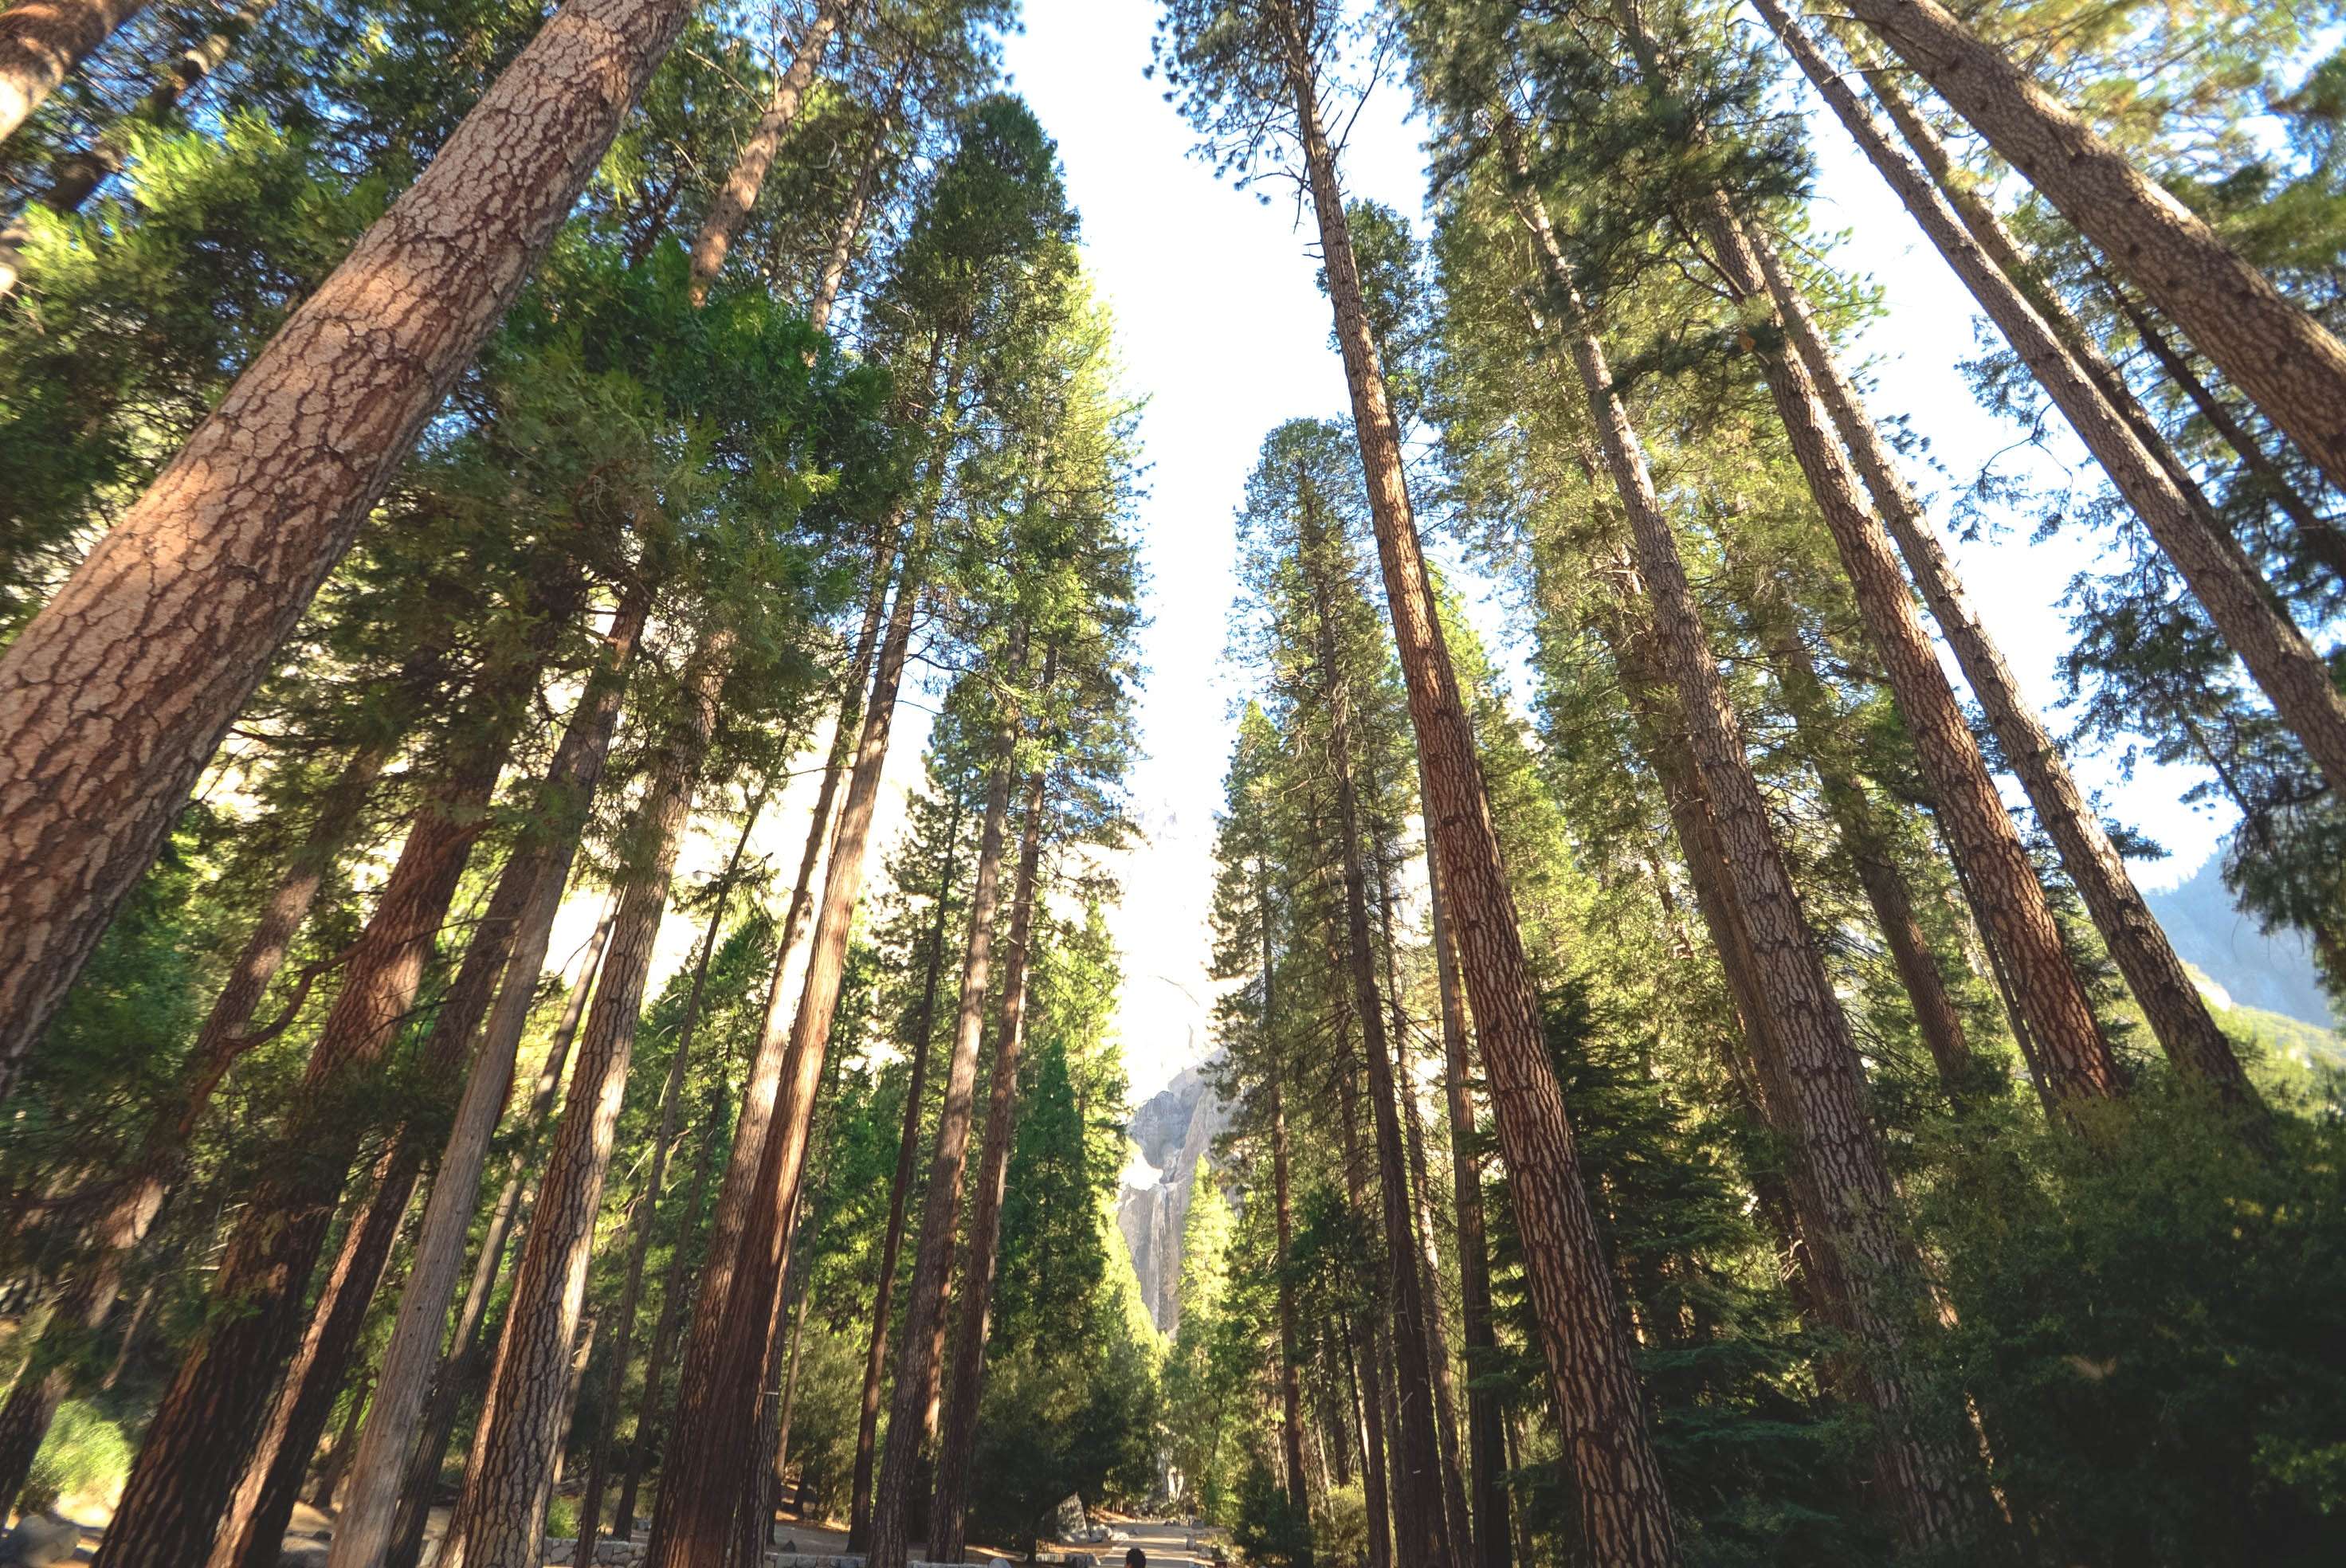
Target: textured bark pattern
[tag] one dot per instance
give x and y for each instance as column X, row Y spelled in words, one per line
column 1420, row 1529
column 647, row 1203
column 738, row 194
column 958, row 1425
column 1624, row 1512
column 262, row 1508
column 1485, row 1460
column 717, row 1399
column 2179, row 1015
column 900, row 1188
column 2073, row 1059
column 197, row 1445
column 114, row 697
column 500, row 1520
column 2280, row 356
column 43, row 40
column 536, row 875
column 920, row 1356
column 1853, row 1226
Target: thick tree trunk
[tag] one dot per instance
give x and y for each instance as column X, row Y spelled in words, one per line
column 957, row 1426
column 1623, row 1508
column 509, row 1478
column 1485, row 1460
column 114, row 697
column 647, row 1203
column 466, row 1365
column 41, row 43
column 920, row 1354
column 726, row 1353
column 1853, row 1226
column 79, row 175
column 2284, row 360
column 197, row 1445
column 538, row 872
column 1421, row 1531
column 738, row 194
column 920, row 1046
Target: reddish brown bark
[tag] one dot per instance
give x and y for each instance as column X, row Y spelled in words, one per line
column 509, row 1480
column 726, row 1356
column 1623, row 1512
column 738, row 194
column 920, row 1354
column 521, row 926
column 42, row 41
column 114, row 697
column 2292, row 367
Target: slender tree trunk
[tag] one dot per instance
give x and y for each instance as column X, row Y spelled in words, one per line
column 1853, row 1227
column 336, row 1466
column 726, row 1353
column 1486, row 1461
column 1420, row 1532
column 851, row 218
column 1623, row 1508
column 921, row 1047
column 79, row 175
column 2221, row 577
column 2284, row 360
column 920, row 1356
column 957, row 1428
column 130, row 1331
column 43, row 41
column 1291, row 1382
column 650, row 1404
column 509, row 1480
column 466, row 1366
column 114, row 697
column 199, row 1439
column 646, row 1206
column 1360, row 1344
column 738, row 194
column 539, row 871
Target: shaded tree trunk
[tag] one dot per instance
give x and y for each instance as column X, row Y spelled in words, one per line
column 509, row 1478
column 2284, row 360
column 841, row 255
column 958, row 1427
column 1291, row 1382
column 921, row 1047
column 538, row 871
column 1623, row 1511
column 920, row 1354
column 114, row 697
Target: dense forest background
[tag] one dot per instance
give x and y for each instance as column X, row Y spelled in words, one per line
column 570, row 608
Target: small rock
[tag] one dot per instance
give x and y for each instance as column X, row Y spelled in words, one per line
column 39, row 1541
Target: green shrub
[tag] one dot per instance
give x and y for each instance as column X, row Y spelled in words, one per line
column 84, row 1452
column 562, row 1519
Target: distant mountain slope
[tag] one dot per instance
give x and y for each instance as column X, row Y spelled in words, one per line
column 2269, row 974
column 1172, row 1131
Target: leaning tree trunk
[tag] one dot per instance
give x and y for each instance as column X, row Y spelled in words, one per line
column 2179, row 1015
column 500, row 1519
column 1421, row 1533
column 1623, row 1508
column 1485, row 1458
column 892, row 1242
column 841, row 255
column 42, row 42
column 921, row 1351
column 738, row 194
column 646, row 1204
column 2284, row 360
column 541, row 864
column 726, row 1353
column 198, row 1442
column 958, row 1427
column 1855, row 1232
column 113, row 699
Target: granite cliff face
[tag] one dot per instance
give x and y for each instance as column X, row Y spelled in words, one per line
column 1174, row 1129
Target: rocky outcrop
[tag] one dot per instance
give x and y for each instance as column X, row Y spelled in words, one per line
column 1174, row 1129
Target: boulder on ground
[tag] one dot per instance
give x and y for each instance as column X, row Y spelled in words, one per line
column 40, row 1540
